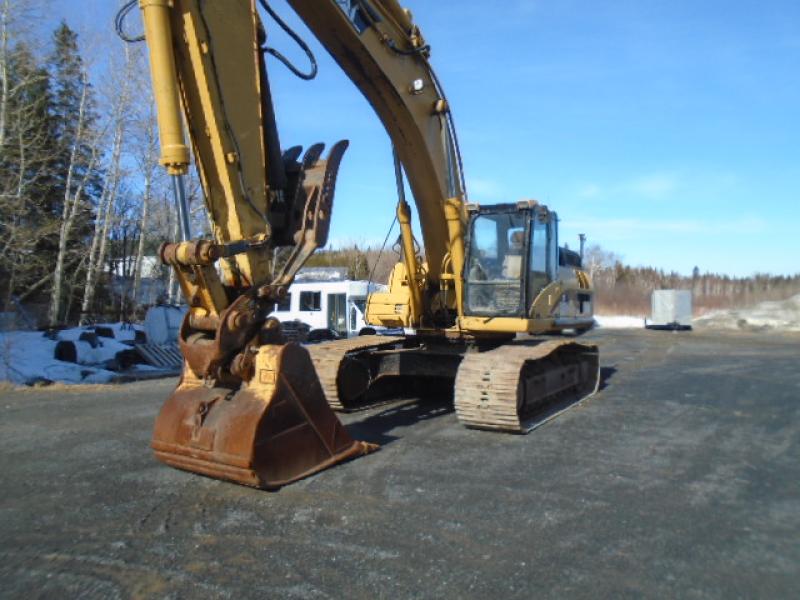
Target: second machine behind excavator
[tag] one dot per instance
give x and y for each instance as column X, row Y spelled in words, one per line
column 253, row 409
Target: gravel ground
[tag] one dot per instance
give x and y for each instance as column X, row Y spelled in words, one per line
column 678, row 479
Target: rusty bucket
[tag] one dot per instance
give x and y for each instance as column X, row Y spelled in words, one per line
column 271, row 430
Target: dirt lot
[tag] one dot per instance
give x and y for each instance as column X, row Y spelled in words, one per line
column 679, row 479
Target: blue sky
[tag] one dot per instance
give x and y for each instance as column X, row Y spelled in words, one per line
column 667, row 131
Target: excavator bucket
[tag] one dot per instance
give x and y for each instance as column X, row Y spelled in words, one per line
column 271, row 430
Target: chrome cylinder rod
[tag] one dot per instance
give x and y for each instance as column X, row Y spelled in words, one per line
column 182, row 207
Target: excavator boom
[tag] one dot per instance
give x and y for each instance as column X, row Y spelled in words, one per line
column 248, row 406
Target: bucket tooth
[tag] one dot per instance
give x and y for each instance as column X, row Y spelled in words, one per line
column 274, row 429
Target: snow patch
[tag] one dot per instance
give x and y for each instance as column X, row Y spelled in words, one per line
column 618, row 322
column 783, row 315
column 28, row 357
column 122, row 332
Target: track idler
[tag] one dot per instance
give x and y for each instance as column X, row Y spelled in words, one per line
column 272, row 429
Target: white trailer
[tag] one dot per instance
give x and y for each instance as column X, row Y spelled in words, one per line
column 335, row 305
column 671, row 309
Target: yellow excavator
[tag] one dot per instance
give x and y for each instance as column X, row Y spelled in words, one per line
column 474, row 301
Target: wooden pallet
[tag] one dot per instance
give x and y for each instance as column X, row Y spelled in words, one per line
column 163, row 356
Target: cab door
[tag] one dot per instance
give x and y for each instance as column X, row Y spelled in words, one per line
column 542, row 259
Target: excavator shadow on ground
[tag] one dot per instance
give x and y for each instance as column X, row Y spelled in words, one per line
column 405, row 407
column 402, row 407
column 606, row 373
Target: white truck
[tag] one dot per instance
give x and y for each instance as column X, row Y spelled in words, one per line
column 324, row 299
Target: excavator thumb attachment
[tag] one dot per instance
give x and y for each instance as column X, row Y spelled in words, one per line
column 273, row 429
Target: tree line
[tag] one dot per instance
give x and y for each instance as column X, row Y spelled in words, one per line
column 624, row 289
column 619, row 288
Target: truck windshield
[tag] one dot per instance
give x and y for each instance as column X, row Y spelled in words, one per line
column 361, row 304
column 357, row 311
column 495, row 265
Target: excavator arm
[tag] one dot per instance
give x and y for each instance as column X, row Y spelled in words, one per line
column 248, row 406
column 208, row 68
column 207, row 64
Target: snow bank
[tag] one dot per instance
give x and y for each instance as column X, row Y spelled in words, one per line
column 618, row 322
column 27, row 357
column 783, row 315
column 87, row 354
column 122, row 332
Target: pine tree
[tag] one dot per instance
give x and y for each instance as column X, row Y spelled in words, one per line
column 69, row 75
column 26, row 155
column 76, row 174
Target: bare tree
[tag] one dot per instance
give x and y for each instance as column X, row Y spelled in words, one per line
column 15, row 18
column 104, row 218
column 5, row 16
column 596, row 260
column 23, row 151
column 147, row 161
column 73, row 194
column 24, row 167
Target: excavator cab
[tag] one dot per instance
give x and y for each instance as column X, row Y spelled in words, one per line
column 512, row 255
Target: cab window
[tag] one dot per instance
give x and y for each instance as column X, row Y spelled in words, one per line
column 496, row 264
column 537, row 263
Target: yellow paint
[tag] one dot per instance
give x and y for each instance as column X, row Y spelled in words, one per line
column 392, row 308
column 456, row 222
column 156, row 17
